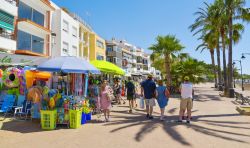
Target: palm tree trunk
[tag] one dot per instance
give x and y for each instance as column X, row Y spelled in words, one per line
column 224, row 63
column 230, row 53
column 218, row 63
column 167, row 66
column 214, row 68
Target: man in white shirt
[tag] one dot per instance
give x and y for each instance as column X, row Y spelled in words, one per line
column 186, row 99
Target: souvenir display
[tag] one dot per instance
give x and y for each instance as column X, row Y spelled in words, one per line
column 11, row 77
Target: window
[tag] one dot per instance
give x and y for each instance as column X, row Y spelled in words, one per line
column 23, row 40
column 109, row 49
column 38, row 17
column 100, row 44
column 26, row 41
column 74, row 50
column 65, row 26
column 99, row 57
column 74, row 31
column 65, row 48
column 26, row 12
column 37, row 44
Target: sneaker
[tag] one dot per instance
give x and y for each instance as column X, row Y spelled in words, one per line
column 188, row 122
column 147, row 116
column 130, row 111
column 150, row 117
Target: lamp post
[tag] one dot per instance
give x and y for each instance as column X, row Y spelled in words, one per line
column 242, row 83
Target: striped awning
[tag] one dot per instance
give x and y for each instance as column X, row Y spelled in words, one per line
column 6, row 21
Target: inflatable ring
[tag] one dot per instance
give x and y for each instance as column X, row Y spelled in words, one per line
column 11, row 77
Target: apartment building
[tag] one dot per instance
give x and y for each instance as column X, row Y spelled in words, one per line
column 66, row 28
column 97, row 47
column 33, row 32
column 114, row 53
column 134, row 61
column 84, row 37
column 8, row 16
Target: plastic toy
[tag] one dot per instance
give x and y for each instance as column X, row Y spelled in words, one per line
column 11, row 77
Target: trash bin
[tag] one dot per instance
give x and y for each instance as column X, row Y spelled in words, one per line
column 231, row 93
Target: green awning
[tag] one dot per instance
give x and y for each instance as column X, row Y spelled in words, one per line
column 6, row 21
column 6, row 26
column 107, row 67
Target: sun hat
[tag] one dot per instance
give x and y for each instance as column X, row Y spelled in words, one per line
column 150, row 76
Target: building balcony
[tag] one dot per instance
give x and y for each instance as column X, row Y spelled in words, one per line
column 7, row 42
column 32, row 27
column 9, row 6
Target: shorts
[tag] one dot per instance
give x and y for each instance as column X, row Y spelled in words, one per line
column 150, row 102
column 186, row 104
column 131, row 97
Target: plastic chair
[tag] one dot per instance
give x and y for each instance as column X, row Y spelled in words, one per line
column 8, row 104
column 19, row 103
column 24, row 110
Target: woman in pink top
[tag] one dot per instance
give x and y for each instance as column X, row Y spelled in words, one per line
column 105, row 102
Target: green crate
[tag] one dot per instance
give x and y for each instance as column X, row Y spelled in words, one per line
column 75, row 117
column 48, row 119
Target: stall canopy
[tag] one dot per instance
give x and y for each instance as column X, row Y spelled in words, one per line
column 107, row 67
column 68, row 64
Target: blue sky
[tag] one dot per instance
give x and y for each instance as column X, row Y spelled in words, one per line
column 140, row 21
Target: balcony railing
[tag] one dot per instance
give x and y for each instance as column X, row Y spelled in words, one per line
column 7, row 35
column 13, row 2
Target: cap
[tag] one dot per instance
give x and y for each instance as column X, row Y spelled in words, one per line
column 186, row 78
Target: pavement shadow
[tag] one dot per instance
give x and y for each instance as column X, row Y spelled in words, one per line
column 169, row 126
column 21, row 126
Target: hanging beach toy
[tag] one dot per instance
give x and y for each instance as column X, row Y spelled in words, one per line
column 11, row 77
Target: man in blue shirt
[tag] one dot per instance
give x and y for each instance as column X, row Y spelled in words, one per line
column 148, row 92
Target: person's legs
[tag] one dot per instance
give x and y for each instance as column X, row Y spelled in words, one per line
column 183, row 105
column 105, row 114
column 162, row 113
column 147, row 110
column 189, row 109
column 108, row 114
column 130, row 105
column 151, row 107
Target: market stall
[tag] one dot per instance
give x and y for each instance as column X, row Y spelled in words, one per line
column 66, row 101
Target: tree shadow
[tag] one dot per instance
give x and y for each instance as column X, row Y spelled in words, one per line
column 148, row 126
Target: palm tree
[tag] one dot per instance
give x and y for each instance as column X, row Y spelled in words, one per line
column 167, row 46
column 206, row 25
column 235, row 11
column 209, row 43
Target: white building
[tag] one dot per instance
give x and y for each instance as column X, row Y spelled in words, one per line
column 66, row 29
column 34, row 27
column 8, row 15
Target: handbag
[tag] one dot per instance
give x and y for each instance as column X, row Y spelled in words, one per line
column 142, row 103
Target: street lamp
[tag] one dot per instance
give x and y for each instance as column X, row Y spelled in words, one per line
column 242, row 83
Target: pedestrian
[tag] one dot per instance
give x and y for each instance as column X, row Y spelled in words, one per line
column 130, row 87
column 148, row 92
column 162, row 95
column 186, row 103
column 118, row 91
column 105, row 100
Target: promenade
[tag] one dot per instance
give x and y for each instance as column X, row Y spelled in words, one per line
column 216, row 124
